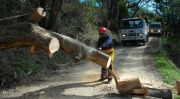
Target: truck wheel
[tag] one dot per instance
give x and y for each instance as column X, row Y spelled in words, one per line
column 123, row 43
column 147, row 38
column 144, row 43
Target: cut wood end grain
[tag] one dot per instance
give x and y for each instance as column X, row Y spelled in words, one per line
column 54, row 45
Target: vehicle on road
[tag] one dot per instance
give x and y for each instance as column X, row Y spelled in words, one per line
column 155, row 28
column 134, row 30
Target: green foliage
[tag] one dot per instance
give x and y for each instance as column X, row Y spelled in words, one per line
column 90, row 9
column 9, row 7
column 169, row 72
column 33, row 65
column 166, row 68
column 174, row 41
column 169, row 12
column 28, row 64
column 123, row 11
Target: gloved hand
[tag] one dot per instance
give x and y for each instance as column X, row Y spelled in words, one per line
column 100, row 48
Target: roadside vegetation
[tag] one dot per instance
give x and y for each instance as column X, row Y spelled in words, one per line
column 169, row 70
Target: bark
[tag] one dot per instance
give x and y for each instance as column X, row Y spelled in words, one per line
column 56, row 7
column 113, row 14
column 27, row 34
column 153, row 93
column 80, row 51
column 159, row 93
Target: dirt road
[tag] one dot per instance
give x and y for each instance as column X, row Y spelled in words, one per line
column 79, row 81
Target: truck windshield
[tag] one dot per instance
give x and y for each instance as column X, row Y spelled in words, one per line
column 132, row 24
column 155, row 26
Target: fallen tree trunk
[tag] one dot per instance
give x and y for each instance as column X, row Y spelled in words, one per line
column 80, row 51
column 27, row 34
column 159, row 93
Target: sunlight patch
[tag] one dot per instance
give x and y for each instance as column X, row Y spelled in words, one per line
column 134, row 57
column 80, row 91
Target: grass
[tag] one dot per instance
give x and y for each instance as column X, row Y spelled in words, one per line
column 27, row 64
column 167, row 69
column 33, row 65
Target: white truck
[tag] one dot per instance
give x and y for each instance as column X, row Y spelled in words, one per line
column 134, row 30
column 155, row 28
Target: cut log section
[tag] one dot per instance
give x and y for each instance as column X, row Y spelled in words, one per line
column 178, row 87
column 37, row 15
column 126, row 86
column 27, row 34
column 160, row 93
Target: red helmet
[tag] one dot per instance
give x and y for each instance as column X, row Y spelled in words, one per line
column 102, row 30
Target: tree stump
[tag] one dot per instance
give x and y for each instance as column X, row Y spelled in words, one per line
column 126, row 86
column 178, row 87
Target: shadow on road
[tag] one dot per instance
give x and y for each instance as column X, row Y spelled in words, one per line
column 58, row 92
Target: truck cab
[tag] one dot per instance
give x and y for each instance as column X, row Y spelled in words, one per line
column 134, row 30
column 155, row 28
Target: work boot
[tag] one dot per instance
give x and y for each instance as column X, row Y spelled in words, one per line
column 109, row 78
column 109, row 81
column 102, row 78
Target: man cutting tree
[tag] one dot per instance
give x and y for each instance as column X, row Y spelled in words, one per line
column 105, row 44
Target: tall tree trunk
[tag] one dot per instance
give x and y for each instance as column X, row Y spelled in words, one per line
column 56, row 7
column 113, row 15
